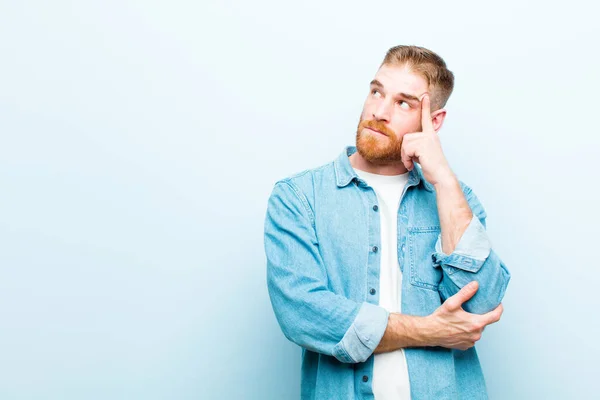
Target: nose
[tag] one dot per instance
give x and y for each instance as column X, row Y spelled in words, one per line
column 382, row 112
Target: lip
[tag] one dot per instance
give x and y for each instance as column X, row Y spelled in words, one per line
column 375, row 130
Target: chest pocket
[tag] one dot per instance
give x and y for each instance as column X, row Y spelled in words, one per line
column 421, row 246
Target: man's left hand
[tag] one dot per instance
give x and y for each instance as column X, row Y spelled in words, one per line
column 426, row 149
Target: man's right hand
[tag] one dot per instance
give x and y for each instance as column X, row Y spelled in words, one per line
column 452, row 327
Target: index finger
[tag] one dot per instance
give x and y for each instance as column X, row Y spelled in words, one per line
column 494, row 315
column 426, row 122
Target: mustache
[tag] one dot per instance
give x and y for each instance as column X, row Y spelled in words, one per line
column 378, row 126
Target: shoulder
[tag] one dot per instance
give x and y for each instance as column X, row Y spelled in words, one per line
column 299, row 188
column 305, row 179
column 303, row 183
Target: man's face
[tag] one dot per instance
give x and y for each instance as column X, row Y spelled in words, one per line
column 392, row 109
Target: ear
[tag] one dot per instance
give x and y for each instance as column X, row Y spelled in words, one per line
column 437, row 118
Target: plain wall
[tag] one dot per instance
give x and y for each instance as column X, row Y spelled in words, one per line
column 139, row 141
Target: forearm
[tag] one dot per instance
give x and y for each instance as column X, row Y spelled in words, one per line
column 453, row 211
column 471, row 258
column 403, row 331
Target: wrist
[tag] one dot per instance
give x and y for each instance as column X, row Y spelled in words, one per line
column 446, row 180
column 424, row 331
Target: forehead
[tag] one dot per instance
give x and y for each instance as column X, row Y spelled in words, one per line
column 401, row 79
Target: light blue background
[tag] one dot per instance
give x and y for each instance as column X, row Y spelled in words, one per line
column 139, row 141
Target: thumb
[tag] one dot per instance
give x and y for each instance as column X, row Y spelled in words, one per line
column 464, row 294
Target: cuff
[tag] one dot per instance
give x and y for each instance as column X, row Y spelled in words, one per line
column 471, row 251
column 364, row 334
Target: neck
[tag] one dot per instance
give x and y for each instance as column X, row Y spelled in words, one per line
column 359, row 162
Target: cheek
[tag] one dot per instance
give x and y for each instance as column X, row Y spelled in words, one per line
column 365, row 111
column 369, row 106
column 406, row 125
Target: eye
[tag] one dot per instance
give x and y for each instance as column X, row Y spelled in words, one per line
column 403, row 104
column 375, row 93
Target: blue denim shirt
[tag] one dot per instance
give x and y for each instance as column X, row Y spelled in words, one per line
column 322, row 232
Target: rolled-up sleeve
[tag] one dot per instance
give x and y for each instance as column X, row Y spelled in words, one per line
column 308, row 313
column 473, row 259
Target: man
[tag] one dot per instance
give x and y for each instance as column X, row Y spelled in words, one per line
column 378, row 263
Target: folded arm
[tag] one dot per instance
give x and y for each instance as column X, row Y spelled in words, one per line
column 319, row 320
column 308, row 313
column 463, row 249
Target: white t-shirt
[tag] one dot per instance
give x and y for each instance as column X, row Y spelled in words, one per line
column 390, row 371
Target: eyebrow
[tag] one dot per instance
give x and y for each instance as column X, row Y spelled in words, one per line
column 407, row 96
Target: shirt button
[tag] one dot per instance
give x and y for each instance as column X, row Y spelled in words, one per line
column 365, row 378
column 375, row 208
column 375, row 248
column 372, row 291
column 403, row 248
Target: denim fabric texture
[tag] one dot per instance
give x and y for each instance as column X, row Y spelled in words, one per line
column 322, row 238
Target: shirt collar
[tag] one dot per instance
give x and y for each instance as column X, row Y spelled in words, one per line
column 344, row 173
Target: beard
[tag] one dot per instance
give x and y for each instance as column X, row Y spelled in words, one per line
column 376, row 148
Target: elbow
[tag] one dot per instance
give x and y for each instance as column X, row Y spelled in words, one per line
column 289, row 325
column 493, row 278
column 490, row 293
